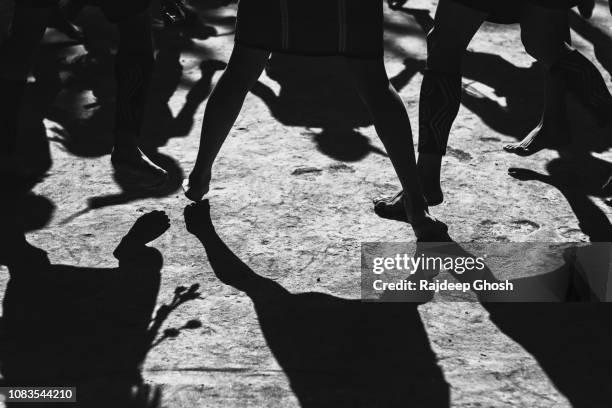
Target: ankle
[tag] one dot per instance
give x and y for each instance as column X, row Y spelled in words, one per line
column 429, row 168
column 200, row 171
column 415, row 206
column 419, row 218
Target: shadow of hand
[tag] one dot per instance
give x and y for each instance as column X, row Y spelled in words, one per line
column 197, row 218
column 149, row 227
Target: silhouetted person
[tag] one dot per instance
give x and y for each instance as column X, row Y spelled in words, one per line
column 545, row 35
column 312, row 94
column 578, row 192
column 335, row 352
column 85, row 327
column 133, row 69
column 351, row 29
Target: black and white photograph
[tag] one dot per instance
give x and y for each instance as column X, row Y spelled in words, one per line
column 306, row 203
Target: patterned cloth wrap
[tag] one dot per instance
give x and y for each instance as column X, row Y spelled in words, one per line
column 313, row 27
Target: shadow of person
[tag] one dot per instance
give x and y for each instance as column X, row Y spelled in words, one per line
column 85, row 105
column 515, row 110
column 502, row 113
column 88, row 328
column 510, row 109
column 314, row 93
column 570, row 340
column 30, row 211
column 131, row 191
column 336, row 352
column 177, row 45
column 599, row 38
column 578, row 178
column 75, row 92
column 93, row 72
column 166, row 125
column 507, row 98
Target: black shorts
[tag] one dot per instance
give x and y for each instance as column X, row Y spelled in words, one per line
column 114, row 10
column 509, row 11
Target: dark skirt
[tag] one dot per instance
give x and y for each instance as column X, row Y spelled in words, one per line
column 351, row 28
column 509, row 11
column 114, row 10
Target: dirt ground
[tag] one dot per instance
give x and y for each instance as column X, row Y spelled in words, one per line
column 291, row 196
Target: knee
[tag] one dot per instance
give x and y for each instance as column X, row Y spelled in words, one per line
column 241, row 76
column 546, row 49
column 443, row 55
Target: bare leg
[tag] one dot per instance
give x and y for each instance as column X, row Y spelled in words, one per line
column 17, row 51
column 223, row 107
column 16, row 54
column 553, row 129
column 545, row 35
column 454, row 27
column 441, row 88
column 393, row 127
column 133, row 69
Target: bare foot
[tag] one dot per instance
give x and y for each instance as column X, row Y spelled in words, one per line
column 197, row 185
column 544, row 136
column 428, row 169
column 426, row 227
column 135, row 164
column 391, row 207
